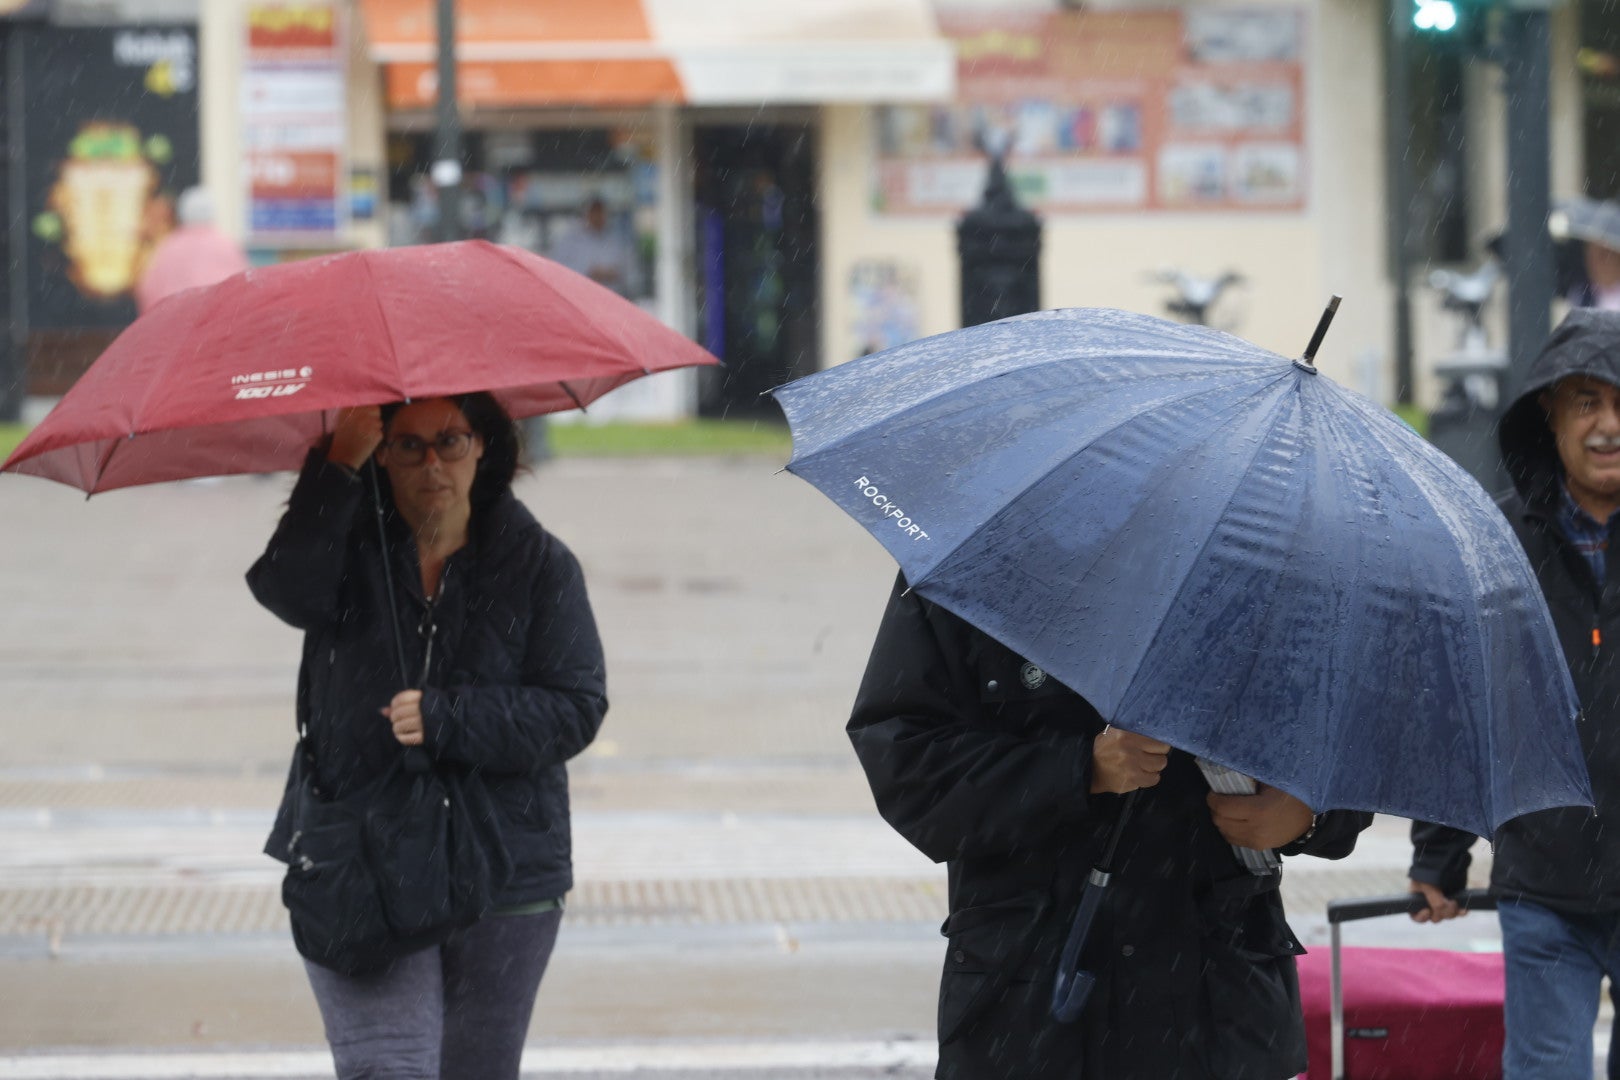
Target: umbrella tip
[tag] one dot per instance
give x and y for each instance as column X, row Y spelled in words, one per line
column 1322, row 325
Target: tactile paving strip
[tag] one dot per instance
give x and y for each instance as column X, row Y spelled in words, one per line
column 179, row 909
column 148, row 910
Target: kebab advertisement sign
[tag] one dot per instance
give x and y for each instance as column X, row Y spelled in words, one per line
column 1108, row 111
column 294, row 104
column 105, row 160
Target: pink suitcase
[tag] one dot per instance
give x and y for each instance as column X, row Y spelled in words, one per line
column 1403, row 1014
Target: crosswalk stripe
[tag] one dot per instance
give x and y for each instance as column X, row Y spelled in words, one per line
column 647, row 1057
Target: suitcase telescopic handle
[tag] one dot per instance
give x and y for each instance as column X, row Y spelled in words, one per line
column 1371, row 907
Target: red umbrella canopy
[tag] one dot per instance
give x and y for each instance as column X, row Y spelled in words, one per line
column 245, row 375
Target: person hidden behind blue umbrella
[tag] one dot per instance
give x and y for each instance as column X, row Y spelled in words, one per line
column 1556, row 875
column 1106, row 521
column 985, row 762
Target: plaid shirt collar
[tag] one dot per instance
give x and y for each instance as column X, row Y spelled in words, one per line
column 1590, row 537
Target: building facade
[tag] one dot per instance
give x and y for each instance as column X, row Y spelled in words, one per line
column 783, row 182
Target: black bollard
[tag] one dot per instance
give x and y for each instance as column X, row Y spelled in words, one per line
column 999, row 243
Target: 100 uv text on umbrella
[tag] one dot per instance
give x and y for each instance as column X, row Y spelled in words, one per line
column 263, row 384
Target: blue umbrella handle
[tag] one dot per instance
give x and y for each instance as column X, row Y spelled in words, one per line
column 1072, row 987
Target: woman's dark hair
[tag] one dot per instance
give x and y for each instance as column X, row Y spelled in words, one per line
column 502, row 448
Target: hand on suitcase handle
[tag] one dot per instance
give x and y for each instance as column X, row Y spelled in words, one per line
column 1440, row 906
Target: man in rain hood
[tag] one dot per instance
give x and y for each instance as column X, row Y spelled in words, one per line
column 1556, row 875
column 984, row 762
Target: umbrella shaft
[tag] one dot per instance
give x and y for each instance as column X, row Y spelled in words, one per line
column 1126, row 808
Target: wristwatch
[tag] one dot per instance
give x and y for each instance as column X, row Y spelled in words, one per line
column 1316, row 822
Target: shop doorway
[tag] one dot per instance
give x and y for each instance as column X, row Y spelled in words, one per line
column 758, row 262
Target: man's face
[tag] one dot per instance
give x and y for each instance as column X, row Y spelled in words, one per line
column 1584, row 415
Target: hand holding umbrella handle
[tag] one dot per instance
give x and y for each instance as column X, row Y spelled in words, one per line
column 355, row 436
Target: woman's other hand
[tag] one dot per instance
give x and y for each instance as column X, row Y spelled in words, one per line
column 1267, row 819
column 405, row 714
column 1122, row 761
column 358, row 433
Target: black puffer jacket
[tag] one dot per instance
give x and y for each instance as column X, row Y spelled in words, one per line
column 515, row 683
column 984, row 763
column 1566, row 858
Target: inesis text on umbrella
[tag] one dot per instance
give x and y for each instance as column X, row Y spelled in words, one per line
column 263, row 384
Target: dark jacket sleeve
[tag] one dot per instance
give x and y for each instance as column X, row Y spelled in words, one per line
column 1440, row 856
column 298, row 576
column 1335, row 836
column 556, row 710
column 951, row 784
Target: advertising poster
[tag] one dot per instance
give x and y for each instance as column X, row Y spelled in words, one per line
column 883, row 304
column 1112, row 111
column 294, row 127
column 112, row 140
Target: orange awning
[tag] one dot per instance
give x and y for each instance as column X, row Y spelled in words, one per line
column 513, row 53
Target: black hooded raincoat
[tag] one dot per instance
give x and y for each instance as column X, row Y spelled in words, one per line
column 984, row 762
column 1568, row 858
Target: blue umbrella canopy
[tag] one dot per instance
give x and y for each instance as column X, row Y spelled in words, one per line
column 1216, row 546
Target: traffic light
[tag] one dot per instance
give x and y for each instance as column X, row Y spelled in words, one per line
column 1435, row 16
column 1455, row 26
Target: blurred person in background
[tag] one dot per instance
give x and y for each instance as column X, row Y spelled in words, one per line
column 1586, row 234
column 600, row 252
column 194, row 254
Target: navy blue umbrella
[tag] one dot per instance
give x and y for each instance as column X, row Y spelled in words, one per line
column 1216, row 546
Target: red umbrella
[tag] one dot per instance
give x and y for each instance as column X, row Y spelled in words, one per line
column 244, row 375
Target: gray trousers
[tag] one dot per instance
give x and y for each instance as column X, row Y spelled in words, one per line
column 459, row 1011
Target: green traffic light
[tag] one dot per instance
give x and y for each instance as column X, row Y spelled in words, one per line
column 1436, row 15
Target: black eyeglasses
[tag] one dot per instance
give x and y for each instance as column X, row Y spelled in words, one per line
column 447, row 445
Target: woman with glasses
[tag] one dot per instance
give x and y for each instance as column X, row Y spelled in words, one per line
column 505, row 683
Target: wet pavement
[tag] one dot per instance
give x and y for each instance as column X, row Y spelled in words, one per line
column 741, row 910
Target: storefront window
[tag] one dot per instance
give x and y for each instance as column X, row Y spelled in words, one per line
column 1599, row 62
column 584, row 197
